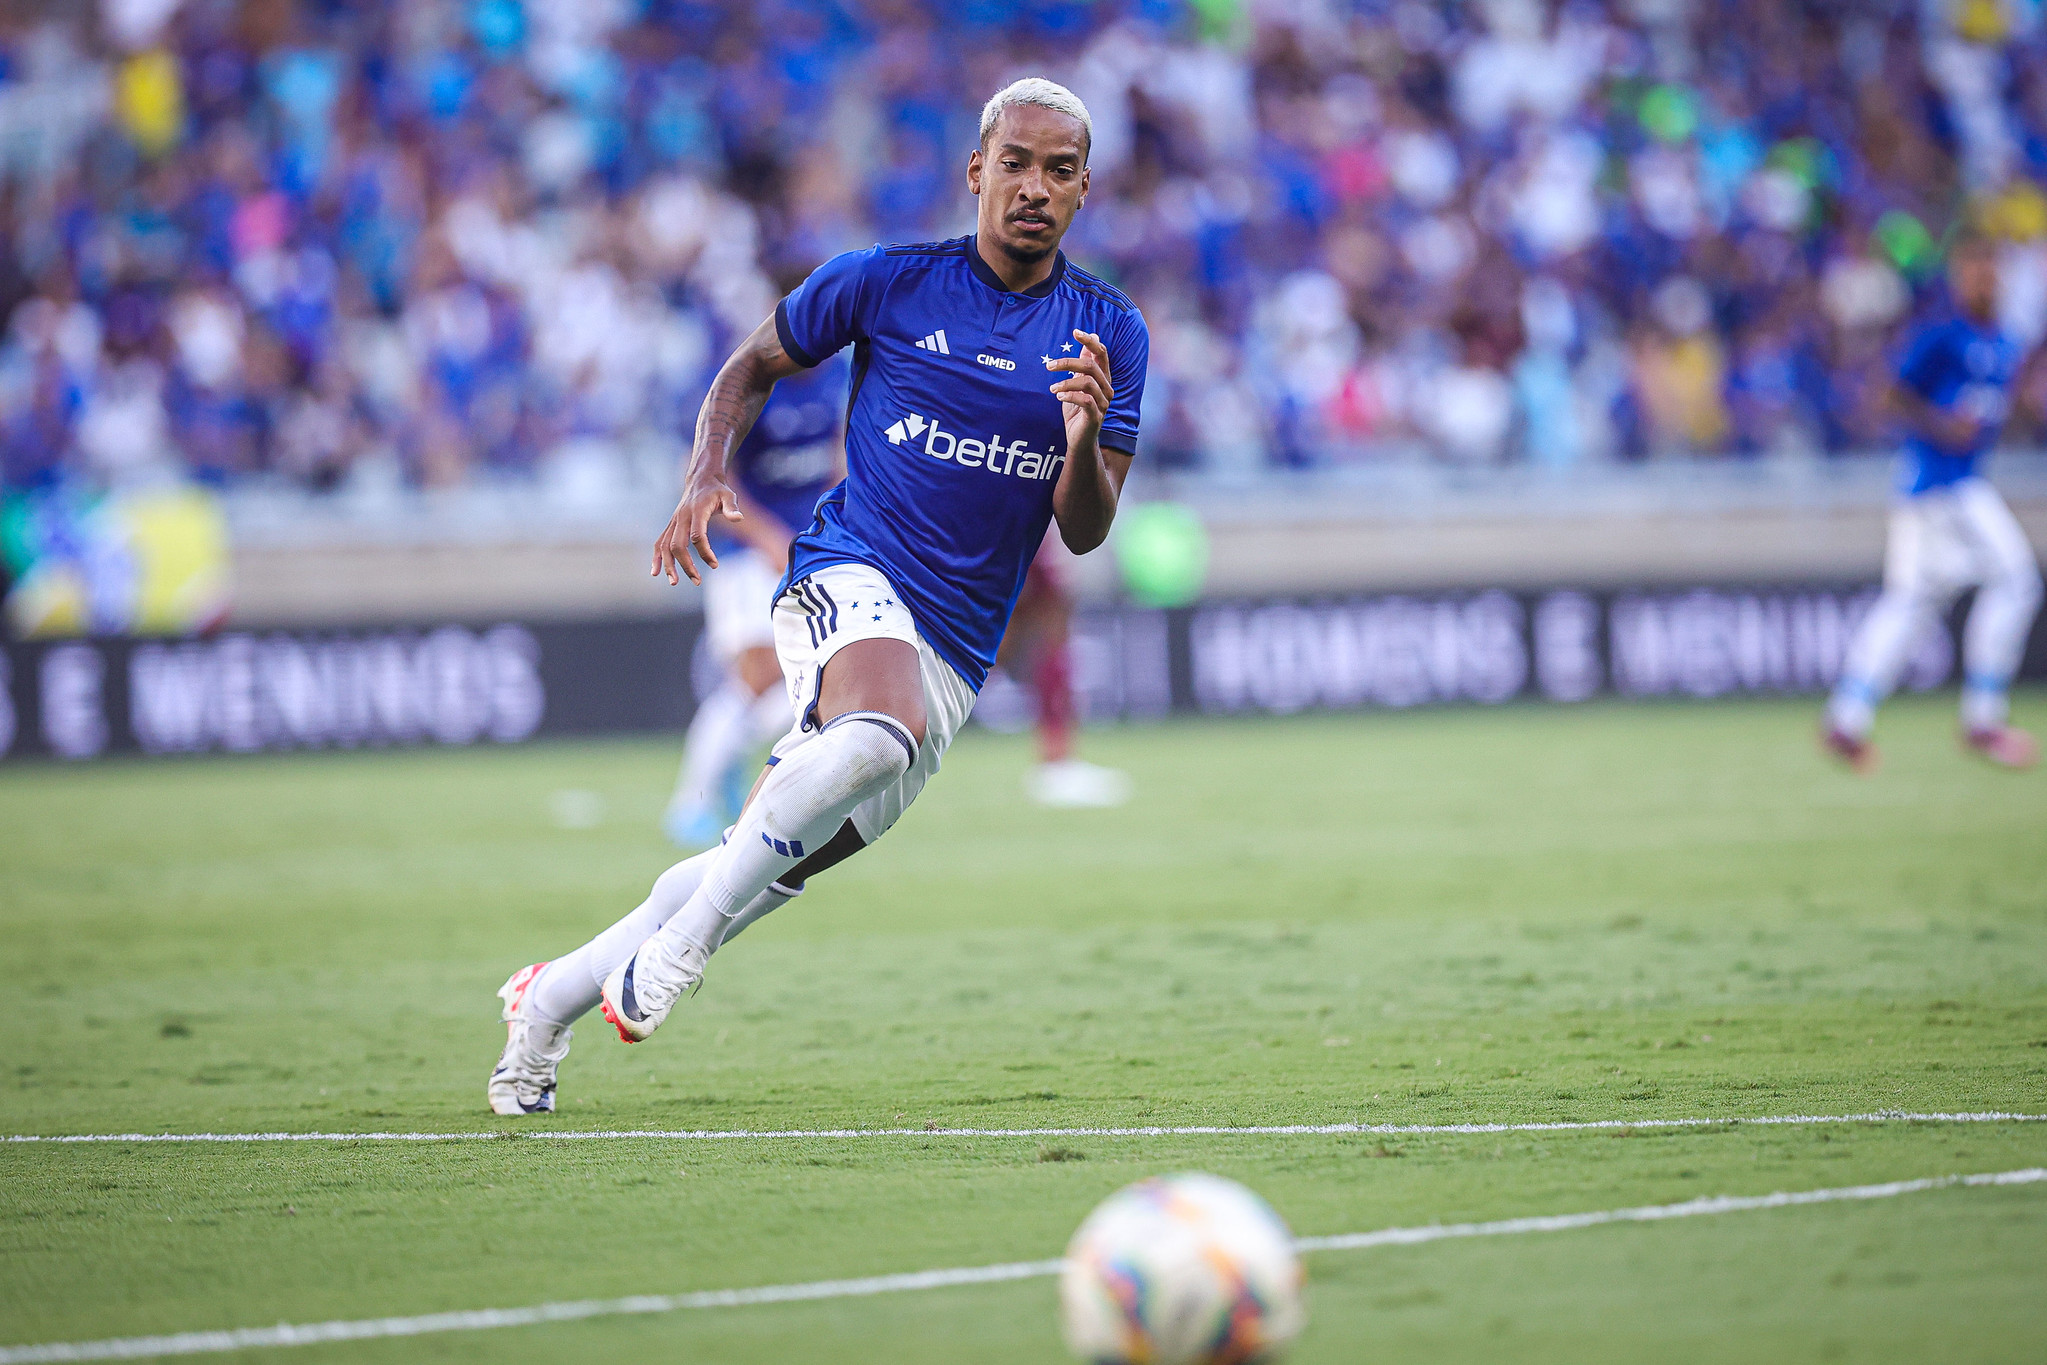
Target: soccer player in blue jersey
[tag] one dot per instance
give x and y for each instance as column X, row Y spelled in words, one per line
column 995, row 391
column 1949, row 529
column 790, row 459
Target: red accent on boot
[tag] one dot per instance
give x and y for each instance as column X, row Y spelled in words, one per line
column 2006, row 746
column 1858, row 754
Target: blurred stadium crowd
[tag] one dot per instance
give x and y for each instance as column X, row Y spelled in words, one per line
column 443, row 241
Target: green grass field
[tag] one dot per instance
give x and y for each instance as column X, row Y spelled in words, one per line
column 1508, row 915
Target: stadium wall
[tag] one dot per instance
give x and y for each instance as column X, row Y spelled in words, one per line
column 509, row 681
column 1390, row 529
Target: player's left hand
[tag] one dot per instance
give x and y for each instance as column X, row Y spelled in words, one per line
column 1086, row 391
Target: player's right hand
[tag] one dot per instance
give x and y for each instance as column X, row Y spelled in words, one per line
column 691, row 527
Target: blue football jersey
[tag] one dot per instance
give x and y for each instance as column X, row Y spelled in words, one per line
column 791, row 457
column 953, row 438
column 1958, row 366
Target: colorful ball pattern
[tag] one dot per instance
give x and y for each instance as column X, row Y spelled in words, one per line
column 1181, row 1270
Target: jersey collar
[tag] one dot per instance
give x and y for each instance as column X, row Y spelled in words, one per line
column 1041, row 289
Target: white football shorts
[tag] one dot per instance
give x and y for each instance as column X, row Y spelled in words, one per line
column 820, row 615
column 1953, row 538
column 739, row 601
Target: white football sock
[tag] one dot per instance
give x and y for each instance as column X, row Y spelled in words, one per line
column 1881, row 647
column 1852, row 709
column 719, row 734
column 1993, row 642
column 1984, row 706
column 807, row 796
column 568, row 989
column 767, row 902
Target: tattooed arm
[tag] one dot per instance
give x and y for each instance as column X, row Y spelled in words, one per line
column 729, row 410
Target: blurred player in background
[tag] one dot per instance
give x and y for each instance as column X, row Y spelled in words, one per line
column 1949, row 529
column 1037, row 652
column 791, row 458
column 996, row 391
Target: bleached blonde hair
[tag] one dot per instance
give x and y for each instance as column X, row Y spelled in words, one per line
column 1046, row 95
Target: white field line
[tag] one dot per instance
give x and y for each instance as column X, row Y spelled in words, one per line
column 287, row 1334
column 1249, row 1130
column 1656, row 1213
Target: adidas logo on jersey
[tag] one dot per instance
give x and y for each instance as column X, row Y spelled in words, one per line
column 1014, row 458
column 935, row 342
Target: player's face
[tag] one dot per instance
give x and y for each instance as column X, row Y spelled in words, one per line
column 1031, row 178
column 1972, row 276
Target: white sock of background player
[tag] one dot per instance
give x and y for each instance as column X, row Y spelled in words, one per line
column 1877, row 656
column 722, row 729
column 1995, row 638
column 568, row 989
column 807, row 797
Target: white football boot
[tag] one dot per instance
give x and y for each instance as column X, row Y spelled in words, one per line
column 642, row 989
column 523, row 1082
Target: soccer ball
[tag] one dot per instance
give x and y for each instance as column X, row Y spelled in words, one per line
column 1181, row 1270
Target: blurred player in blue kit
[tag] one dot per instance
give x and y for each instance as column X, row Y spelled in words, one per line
column 790, row 459
column 1949, row 529
column 995, row 391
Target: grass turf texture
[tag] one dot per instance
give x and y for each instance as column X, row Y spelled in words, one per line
column 1451, row 916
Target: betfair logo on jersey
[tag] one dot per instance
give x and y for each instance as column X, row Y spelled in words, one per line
column 1014, row 458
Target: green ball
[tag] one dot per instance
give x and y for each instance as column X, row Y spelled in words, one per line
column 1163, row 550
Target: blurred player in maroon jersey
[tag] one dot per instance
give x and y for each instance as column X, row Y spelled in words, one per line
column 1037, row 653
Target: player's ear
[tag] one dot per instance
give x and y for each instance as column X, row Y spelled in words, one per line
column 974, row 171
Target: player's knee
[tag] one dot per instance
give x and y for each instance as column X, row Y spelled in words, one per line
column 912, row 724
column 880, row 745
column 2014, row 584
column 880, row 677
column 1918, row 605
column 758, row 669
column 2024, row 580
